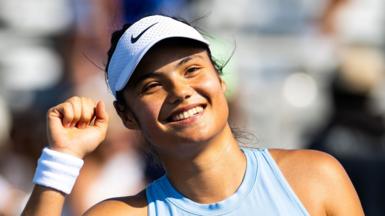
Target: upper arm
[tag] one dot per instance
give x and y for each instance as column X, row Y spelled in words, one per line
column 320, row 182
column 341, row 197
column 125, row 206
column 108, row 207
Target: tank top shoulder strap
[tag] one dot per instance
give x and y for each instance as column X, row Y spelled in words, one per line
column 269, row 170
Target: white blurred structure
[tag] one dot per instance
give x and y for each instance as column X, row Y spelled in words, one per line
column 36, row 17
column 27, row 59
column 362, row 21
column 5, row 122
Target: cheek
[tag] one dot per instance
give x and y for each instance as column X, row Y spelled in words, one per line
column 212, row 87
column 148, row 112
column 213, row 90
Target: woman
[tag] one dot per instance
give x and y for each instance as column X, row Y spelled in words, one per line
column 168, row 87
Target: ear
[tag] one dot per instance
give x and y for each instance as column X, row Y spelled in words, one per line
column 127, row 116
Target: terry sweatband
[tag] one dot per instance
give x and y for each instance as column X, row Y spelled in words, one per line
column 57, row 170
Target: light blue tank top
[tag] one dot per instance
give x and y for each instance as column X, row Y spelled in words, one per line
column 263, row 191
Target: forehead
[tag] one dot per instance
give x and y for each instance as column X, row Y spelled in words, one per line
column 168, row 52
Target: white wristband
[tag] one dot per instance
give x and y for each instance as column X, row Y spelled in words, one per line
column 57, row 170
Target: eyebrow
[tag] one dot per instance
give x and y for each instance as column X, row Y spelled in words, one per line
column 187, row 59
column 140, row 77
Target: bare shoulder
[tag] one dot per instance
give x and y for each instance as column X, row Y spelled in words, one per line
column 319, row 180
column 307, row 161
column 131, row 205
column 309, row 170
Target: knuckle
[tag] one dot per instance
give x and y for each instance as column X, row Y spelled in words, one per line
column 91, row 101
column 88, row 116
column 84, row 98
column 66, row 105
column 68, row 114
column 74, row 98
column 88, row 107
column 52, row 109
column 74, row 102
column 87, row 112
column 67, row 108
column 76, row 109
column 88, row 102
column 76, row 116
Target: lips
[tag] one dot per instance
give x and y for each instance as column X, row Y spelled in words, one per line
column 186, row 113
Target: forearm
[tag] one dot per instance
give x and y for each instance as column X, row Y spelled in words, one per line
column 44, row 201
column 70, row 139
column 54, row 177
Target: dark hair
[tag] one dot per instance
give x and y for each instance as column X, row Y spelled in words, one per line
column 116, row 35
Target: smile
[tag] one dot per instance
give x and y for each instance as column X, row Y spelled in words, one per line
column 187, row 113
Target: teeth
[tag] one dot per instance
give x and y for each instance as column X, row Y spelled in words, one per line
column 191, row 112
column 187, row 114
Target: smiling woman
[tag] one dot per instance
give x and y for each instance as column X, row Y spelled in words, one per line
column 164, row 101
column 167, row 86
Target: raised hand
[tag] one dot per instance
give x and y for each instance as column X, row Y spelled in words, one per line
column 77, row 126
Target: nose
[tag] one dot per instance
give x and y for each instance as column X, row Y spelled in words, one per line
column 179, row 91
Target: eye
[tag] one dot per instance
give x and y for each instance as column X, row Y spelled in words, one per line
column 191, row 70
column 150, row 86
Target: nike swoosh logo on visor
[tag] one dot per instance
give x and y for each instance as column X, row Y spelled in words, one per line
column 134, row 39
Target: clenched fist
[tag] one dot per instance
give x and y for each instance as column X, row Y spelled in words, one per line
column 77, row 126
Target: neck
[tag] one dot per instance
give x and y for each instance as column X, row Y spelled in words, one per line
column 213, row 174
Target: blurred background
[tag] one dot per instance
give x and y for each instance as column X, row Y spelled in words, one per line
column 304, row 74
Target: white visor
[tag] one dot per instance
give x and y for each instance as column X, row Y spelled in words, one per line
column 137, row 40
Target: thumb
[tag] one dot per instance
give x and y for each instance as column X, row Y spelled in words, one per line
column 101, row 116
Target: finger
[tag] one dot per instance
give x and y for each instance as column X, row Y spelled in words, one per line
column 88, row 110
column 77, row 110
column 62, row 113
column 101, row 116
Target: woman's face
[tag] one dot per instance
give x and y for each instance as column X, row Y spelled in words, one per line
column 176, row 98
